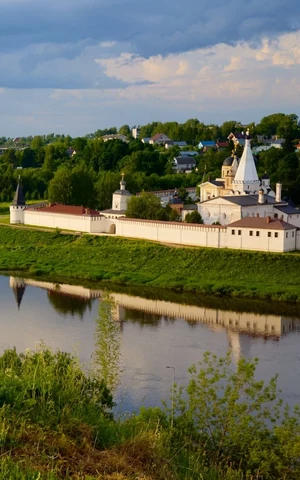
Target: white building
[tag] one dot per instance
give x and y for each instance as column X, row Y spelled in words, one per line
column 119, row 202
column 135, row 132
column 240, row 193
column 184, row 164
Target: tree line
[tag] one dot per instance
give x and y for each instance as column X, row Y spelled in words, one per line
column 90, row 176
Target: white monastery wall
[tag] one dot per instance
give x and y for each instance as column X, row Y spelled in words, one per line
column 168, row 232
column 241, row 238
column 88, row 224
column 240, row 321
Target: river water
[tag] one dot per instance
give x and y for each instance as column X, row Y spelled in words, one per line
column 154, row 334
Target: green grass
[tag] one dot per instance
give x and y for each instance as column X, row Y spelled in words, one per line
column 135, row 262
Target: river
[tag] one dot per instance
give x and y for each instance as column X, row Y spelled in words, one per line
column 154, row 334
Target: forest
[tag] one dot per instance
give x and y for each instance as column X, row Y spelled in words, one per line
column 49, row 168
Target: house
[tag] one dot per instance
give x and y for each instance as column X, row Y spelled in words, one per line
column 222, row 145
column 159, row 139
column 70, row 151
column 297, row 147
column 184, row 164
column 264, row 234
column 204, row 145
column 176, row 203
column 173, row 143
column 146, row 140
column 166, row 195
column 115, row 136
column 135, row 132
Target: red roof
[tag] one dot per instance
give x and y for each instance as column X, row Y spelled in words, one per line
column 157, row 136
column 266, row 223
column 222, row 144
column 68, row 209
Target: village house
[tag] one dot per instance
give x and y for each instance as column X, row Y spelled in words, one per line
column 159, row 139
column 205, row 145
column 184, row 164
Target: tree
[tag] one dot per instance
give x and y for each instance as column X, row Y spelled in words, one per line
column 231, row 418
column 61, row 188
column 146, row 206
column 125, row 130
column 193, row 217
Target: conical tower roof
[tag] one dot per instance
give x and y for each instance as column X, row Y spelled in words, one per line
column 19, row 291
column 19, row 198
column 246, row 179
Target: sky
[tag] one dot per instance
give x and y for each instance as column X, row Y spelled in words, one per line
column 74, row 66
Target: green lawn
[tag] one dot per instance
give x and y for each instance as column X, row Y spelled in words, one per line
column 136, row 262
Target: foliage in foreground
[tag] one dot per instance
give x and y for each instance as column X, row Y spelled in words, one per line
column 55, row 424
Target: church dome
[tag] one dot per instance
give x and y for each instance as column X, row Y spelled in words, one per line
column 228, row 161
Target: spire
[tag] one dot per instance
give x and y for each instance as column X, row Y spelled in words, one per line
column 246, row 179
column 18, row 286
column 19, row 198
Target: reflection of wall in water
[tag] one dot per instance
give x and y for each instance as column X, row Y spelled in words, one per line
column 250, row 323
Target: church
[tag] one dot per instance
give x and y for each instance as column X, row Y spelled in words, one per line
column 240, row 193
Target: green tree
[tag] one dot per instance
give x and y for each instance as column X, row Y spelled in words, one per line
column 61, row 187
column 125, row 130
column 146, row 206
column 193, row 217
column 228, row 414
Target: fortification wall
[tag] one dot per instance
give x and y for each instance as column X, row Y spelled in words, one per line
column 173, row 232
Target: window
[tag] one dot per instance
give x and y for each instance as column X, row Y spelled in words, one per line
column 276, row 234
column 251, row 233
column 286, row 235
column 239, row 232
column 275, row 215
column 257, row 234
column 293, row 234
column 232, row 232
column 269, row 234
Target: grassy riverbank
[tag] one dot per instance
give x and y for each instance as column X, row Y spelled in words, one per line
column 135, row 262
column 56, row 423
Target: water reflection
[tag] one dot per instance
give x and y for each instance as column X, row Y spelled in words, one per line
column 152, row 333
column 74, row 299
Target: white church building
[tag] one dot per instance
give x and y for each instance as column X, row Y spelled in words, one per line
column 240, row 193
column 239, row 210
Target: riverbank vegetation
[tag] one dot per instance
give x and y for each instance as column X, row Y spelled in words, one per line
column 57, row 423
column 143, row 263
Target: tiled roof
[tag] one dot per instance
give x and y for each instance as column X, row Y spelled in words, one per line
column 68, row 209
column 265, row 223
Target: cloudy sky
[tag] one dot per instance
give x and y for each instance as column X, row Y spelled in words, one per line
column 73, row 66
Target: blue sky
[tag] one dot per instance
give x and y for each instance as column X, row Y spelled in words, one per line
column 73, row 66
